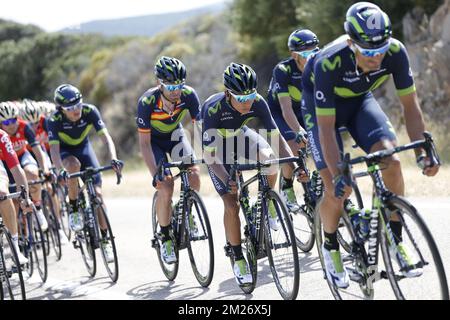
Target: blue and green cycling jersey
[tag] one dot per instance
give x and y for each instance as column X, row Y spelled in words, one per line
column 286, row 82
column 74, row 134
column 151, row 118
column 332, row 74
column 222, row 120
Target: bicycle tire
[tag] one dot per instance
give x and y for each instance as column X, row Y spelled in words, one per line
column 15, row 268
column 204, row 226
column 39, row 245
column 170, row 270
column 301, row 220
column 63, row 211
column 84, row 238
column 286, row 226
column 339, row 294
column 426, row 281
column 52, row 234
column 111, row 267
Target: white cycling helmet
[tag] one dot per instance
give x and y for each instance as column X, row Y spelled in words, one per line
column 31, row 111
column 8, row 110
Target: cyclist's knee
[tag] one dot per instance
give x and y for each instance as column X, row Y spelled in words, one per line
column 72, row 164
column 166, row 189
column 31, row 172
column 393, row 164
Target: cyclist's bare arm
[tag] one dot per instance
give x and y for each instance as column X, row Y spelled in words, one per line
column 106, row 139
column 147, row 152
column 288, row 114
column 56, row 157
column 37, row 150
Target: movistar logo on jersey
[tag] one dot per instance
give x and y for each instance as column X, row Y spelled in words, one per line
column 149, row 100
column 327, row 65
column 213, row 110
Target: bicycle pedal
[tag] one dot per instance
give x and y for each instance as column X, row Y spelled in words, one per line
column 354, row 275
column 155, row 243
column 75, row 244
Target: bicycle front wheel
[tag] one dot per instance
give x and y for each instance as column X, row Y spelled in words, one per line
column 63, row 211
column 52, row 235
column 281, row 248
column 12, row 286
column 39, row 245
column 84, row 240
column 200, row 244
column 107, row 243
column 424, row 276
column 169, row 270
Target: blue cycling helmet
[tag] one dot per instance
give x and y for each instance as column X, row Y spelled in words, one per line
column 302, row 39
column 240, row 78
column 67, row 95
column 170, row 69
column 368, row 25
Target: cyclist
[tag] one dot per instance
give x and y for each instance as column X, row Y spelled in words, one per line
column 71, row 150
column 33, row 113
column 21, row 134
column 338, row 84
column 160, row 112
column 9, row 157
column 225, row 117
column 284, row 99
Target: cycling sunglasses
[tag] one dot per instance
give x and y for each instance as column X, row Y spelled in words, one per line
column 7, row 122
column 373, row 52
column 172, row 87
column 241, row 98
column 77, row 106
column 305, row 54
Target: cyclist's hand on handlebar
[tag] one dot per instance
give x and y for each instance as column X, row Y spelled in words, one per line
column 301, row 139
column 424, row 163
column 160, row 179
column 117, row 165
column 63, row 176
column 25, row 205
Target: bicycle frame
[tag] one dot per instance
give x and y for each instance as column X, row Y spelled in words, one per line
column 381, row 196
column 182, row 208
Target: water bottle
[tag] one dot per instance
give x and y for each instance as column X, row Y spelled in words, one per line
column 355, row 217
column 364, row 223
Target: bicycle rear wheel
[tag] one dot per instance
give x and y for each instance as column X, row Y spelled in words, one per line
column 12, row 286
column 38, row 245
column 422, row 251
column 351, row 261
column 200, row 244
column 281, row 249
column 112, row 267
column 169, row 270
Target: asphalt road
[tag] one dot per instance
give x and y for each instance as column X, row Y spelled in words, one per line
column 141, row 277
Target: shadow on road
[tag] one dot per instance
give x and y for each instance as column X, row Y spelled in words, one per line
column 70, row 289
column 166, row 290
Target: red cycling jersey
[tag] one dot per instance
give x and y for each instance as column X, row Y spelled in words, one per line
column 23, row 136
column 7, row 153
column 41, row 134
